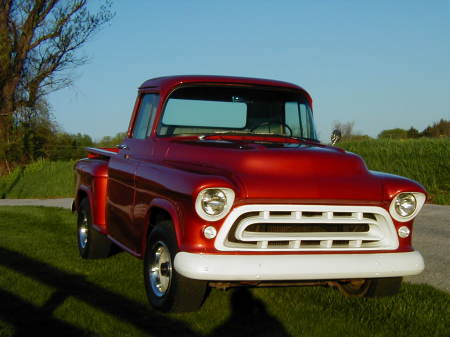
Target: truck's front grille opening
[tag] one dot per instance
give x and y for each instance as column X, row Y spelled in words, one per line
column 278, row 244
column 311, row 214
column 309, row 228
column 305, row 228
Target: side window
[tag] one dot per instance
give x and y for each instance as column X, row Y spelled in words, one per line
column 145, row 116
column 305, row 119
column 292, row 118
column 298, row 117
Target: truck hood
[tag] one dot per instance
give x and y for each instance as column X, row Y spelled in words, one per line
column 293, row 171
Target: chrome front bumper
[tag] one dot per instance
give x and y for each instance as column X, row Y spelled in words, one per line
column 221, row 267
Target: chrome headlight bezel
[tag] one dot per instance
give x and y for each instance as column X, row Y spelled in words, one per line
column 419, row 201
column 229, row 200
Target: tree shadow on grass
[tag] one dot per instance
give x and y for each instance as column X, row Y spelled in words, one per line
column 29, row 320
column 248, row 318
column 26, row 317
column 13, row 184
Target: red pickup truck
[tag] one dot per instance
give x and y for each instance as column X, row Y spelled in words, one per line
column 222, row 182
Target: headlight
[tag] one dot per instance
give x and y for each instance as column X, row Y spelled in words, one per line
column 406, row 205
column 213, row 201
column 213, row 204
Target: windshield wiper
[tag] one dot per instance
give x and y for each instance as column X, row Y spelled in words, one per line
column 253, row 134
column 228, row 133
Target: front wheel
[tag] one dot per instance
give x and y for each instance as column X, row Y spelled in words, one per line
column 167, row 290
column 377, row 287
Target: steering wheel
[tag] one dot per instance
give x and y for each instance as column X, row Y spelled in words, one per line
column 269, row 123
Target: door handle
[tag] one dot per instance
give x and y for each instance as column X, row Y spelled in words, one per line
column 122, row 147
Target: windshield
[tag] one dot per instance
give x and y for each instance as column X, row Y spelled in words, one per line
column 204, row 110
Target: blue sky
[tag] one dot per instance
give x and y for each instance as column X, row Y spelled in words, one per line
column 380, row 64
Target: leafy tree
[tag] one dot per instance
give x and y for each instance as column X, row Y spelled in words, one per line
column 393, row 134
column 67, row 146
column 345, row 128
column 39, row 40
column 348, row 133
column 413, row 133
column 439, row 129
column 108, row 141
column 31, row 130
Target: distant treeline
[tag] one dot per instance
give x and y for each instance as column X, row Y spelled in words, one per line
column 57, row 146
column 36, row 136
column 439, row 129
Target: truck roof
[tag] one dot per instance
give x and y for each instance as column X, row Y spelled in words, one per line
column 169, row 82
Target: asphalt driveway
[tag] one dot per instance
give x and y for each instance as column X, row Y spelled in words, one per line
column 431, row 236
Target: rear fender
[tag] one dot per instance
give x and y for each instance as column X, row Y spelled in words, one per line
column 83, row 192
column 92, row 182
column 97, row 207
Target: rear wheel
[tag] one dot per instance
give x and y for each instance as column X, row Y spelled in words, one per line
column 378, row 287
column 91, row 244
column 167, row 290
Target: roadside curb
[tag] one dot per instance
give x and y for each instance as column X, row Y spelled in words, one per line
column 62, row 202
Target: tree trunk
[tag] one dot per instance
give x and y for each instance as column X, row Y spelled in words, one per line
column 6, row 118
column 7, row 108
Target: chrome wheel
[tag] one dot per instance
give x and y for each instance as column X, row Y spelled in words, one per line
column 83, row 231
column 160, row 269
column 167, row 290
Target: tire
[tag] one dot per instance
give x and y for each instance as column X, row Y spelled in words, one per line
column 168, row 291
column 378, row 287
column 91, row 244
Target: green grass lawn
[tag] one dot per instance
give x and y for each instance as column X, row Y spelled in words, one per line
column 424, row 160
column 41, row 179
column 45, row 288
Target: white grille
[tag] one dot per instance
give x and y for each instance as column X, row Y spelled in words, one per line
column 307, row 228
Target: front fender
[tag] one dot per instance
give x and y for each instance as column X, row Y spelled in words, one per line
column 170, row 208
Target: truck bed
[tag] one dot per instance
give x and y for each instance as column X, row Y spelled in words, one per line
column 101, row 152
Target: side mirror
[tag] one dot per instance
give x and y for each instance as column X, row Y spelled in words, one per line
column 336, row 136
